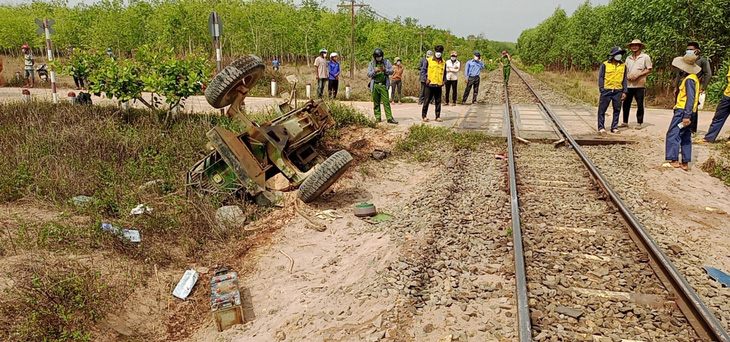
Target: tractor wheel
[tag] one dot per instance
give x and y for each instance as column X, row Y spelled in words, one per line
column 245, row 71
column 324, row 175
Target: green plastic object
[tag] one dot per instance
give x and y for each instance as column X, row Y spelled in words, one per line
column 382, row 217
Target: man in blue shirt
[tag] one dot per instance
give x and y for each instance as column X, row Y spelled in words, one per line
column 334, row 75
column 275, row 64
column 472, row 71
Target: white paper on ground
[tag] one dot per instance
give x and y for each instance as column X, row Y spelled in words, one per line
column 185, row 285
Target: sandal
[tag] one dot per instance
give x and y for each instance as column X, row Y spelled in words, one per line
column 684, row 166
column 426, row 120
column 700, row 141
column 439, row 120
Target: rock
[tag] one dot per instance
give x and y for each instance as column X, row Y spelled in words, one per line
column 280, row 335
column 268, row 198
column 81, row 200
column 279, row 183
column 229, row 217
column 150, row 184
column 428, row 328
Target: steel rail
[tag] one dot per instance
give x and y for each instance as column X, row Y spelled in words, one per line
column 523, row 308
column 697, row 313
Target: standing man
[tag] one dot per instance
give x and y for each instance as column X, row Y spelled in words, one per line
column 613, row 87
column 721, row 114
column 472, row 71
column 396, row 82
column 452, row 77
column 435, row 73
column 422, row 65
column 505, row 61
column 29, row 62
column 704, row 76
column 111, row 54
column 334, row 75
column 321, row 71
column 638, row 65
column 275, row 64
column 379, row 71
column 679, row 135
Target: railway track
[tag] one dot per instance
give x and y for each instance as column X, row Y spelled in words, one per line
column 586, row 269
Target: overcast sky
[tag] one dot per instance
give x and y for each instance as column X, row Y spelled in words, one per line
column 498, row 20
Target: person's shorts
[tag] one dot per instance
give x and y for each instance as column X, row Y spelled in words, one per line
column 29, row 73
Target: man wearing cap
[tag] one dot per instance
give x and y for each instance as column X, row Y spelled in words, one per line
column 472, row 70
column 721, row 114
column 29, row 62
column 422, row 65
column 613, row 87
column 396, row 81
column 679, row 135
column 435, row 78
column 705, row 75
column 452, row 77
column 333, row 76
column 505, row 62
column 379, row 71
column 321, row 71
column 638, row 65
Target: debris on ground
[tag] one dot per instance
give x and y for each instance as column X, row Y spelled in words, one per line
column 365, row 210
column 150, row 184
column 185, row 285
column 718, row 275
column 312, row 224
column 378, row 218
column 230, row 216
column 225, row 299
column 500, row 156
column 379, row 154
column 81, row 200
column 328, row 215
column 129, row 234
column 268, row 198
column 278, row 183
column 568, row 311
column 140, row 209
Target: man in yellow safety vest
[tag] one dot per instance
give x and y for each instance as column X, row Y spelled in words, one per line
column 613, row 87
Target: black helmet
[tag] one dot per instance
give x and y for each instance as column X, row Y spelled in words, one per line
column 378, row 53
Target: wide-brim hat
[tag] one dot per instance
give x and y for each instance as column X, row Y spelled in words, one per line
column 616, row 50
column 636, row 42
column 687, row 64
column 397, row 59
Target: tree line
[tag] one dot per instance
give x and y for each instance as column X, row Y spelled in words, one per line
column 267, row 28
column 583, row 40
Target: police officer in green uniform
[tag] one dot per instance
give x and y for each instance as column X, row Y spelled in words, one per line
column 504, row 62
column 379, row 71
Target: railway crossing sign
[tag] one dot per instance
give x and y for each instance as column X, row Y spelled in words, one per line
column 215, row 25
column 42, row 26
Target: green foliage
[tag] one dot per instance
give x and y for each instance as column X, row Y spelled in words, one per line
column 535, row 68
column 266, row 28
column 423, row 141
column 346, row 115
column 81, row 64
column 583, row 40
column 120, row 79
column 174, row 78
column 719, row 83
column 719, row 165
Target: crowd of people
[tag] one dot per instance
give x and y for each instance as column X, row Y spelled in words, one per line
column 620, row 81
column 386, row 79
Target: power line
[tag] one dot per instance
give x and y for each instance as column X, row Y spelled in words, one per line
column 352, row 6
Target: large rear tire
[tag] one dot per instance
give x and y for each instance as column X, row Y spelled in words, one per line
column 325, row 175
column 244, row 71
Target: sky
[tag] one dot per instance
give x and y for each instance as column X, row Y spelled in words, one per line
column 502, row 20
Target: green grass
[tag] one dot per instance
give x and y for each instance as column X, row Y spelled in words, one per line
column 424, row 142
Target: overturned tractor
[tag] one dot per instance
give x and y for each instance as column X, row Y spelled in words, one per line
column 242, row 163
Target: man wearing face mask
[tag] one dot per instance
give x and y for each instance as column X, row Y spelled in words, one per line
column 472, row 70
column 452, row 77
column 705, row 75
column 379, row 71
column 613, row 87
column 435, row 74
column 422, row 65
column 396, row 81
column 505, row 62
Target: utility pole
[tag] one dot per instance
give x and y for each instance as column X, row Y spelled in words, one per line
column 352, row 6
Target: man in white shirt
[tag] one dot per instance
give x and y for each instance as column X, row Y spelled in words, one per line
column 452, row 77
column 638, row 65
column 321, row 71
